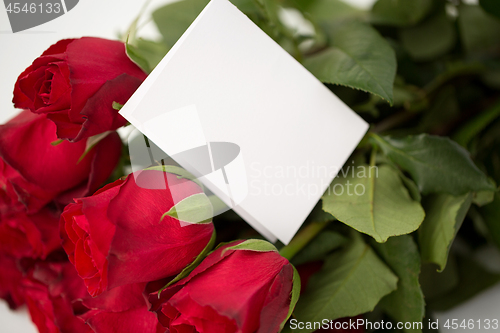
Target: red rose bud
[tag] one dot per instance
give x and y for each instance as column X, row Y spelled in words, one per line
column 75, row 83
column 244, row 286
column 52, row 291
column 122, row 309
column 121, row 234
column 34, row 172
column 32, row 236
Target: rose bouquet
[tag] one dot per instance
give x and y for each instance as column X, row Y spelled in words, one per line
column 89, row 246
column 87, row 257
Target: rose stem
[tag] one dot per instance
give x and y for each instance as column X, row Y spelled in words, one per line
column 302, row 239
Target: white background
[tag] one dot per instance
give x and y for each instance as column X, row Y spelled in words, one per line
column 106, row 18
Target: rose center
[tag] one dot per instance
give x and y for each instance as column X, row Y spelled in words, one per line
column 45, row 88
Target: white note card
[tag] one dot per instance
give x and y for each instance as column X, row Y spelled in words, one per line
column 248, row 120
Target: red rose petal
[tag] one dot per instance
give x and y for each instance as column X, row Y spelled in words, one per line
column 138, row 231
column 98, row 111
column 106, row 61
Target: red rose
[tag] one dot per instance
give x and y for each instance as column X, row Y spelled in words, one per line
column 33, row 171
column 10, row 202
column 75, row 83
column 122, row 309
column 24, row 239
column 58, row 302
column 33, row 236
column 118, row 236
column 52, row 292
column 241, row 287
column 11, row 274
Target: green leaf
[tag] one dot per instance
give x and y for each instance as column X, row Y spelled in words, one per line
column 435, row 163
column 350, row 283
column 270, row 10
column 444, row 216
column 189, row 268
column 218, row 205
column 411, row 186
column 491, row 217
column 400, row 12
column 92, row 142
column 268, row 19
column 176, row 170
column 196, row 208
column 491, row 6
column 482, row 198
column 146, row 53
column 473, row 279
column 406, row 304
column 294, row 295
column 116, row 106
column 57, row 142
column 326, row 10
column 319, row 247
column 358, row 58
column 246, row 6
column 257, row 245
column 137, row 58
column 430, row 39
column 173, row 19
column 478, row 30
column 374, row 202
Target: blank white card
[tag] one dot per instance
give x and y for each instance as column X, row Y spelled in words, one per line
column 273, row 135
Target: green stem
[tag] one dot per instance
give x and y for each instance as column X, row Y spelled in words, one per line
column 376, row 138
column 393, row 121
column 129, row 36
column 302, row 239
column 405, row 116
column 472, row 128
column 456, row 71
column 373, row 156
